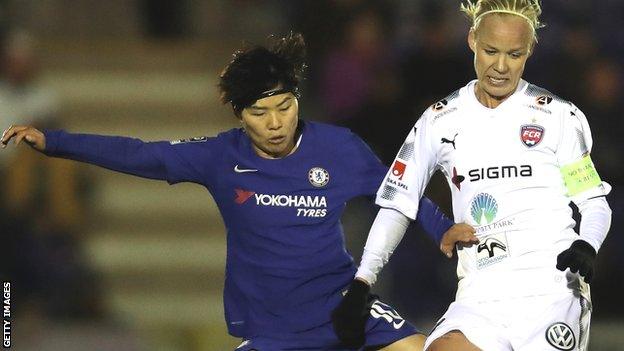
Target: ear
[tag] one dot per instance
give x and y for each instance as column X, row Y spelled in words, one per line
column 472, row 40
column 532, row 48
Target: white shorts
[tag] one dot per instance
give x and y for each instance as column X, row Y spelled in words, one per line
column 547, row 322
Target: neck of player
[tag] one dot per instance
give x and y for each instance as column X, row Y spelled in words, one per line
column 288, row 150
column 488, row 100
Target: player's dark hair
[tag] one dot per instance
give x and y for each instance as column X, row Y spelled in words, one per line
column 258, row 69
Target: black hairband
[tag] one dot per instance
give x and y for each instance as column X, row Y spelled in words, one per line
column 277, row 92
column 240, row 106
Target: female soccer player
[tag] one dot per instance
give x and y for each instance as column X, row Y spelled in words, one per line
column 281, row 185
column 514, row 155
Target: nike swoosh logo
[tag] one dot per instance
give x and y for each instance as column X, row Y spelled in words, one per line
column 398, row 325
column 243, row 170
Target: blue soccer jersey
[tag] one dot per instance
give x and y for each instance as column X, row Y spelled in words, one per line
column 286, row 259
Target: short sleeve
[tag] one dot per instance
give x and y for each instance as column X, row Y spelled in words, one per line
column 410, row 172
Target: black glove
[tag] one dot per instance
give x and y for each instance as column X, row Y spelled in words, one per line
column 579, row 258
column 349, row 318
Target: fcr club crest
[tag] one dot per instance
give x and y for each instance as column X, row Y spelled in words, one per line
column 318, row 176
column 531, row 134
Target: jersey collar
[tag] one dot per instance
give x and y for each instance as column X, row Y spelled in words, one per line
column 472, row 97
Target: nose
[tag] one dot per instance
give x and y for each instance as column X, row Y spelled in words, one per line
column 274, row 122
column 501, row 64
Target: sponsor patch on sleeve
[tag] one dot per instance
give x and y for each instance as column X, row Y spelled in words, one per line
column 580, row 176
column 189, row 140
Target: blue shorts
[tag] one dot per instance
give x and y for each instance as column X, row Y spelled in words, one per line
column 384, row 326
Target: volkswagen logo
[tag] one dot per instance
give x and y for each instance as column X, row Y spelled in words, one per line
column 560, row 336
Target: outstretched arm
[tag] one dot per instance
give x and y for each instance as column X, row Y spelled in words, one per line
column 153, row 160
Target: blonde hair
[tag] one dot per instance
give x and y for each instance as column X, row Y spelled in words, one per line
column 530, row 10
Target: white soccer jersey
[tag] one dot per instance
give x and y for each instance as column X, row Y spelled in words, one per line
column 512, row 171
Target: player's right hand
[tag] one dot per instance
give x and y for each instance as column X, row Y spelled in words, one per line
column 460, row 233
column 30, row 135
column 349, row 318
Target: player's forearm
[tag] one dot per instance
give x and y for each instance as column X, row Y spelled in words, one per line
column 432, row 220
column 384, row 236
column 595, row 221
column 121, row 154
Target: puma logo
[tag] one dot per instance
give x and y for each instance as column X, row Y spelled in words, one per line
column 452, row 142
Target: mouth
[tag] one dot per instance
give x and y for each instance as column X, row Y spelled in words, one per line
column 277, row 140
column 497, row 81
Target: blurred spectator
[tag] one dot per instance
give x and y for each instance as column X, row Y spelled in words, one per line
column 566, row 67
column 602, row 102
column 163, row 19
column 351, row 68
column 23, row 98
column 359, row 85
column 436, row 63
column 321, row 32
column 41, row 207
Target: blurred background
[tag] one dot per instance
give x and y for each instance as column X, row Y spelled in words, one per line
column 103, row 261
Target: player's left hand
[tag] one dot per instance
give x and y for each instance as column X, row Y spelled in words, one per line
column 579, row 258
column 460, row 233
column 349, row 318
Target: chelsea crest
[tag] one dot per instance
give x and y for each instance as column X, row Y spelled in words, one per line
column 318, row 177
